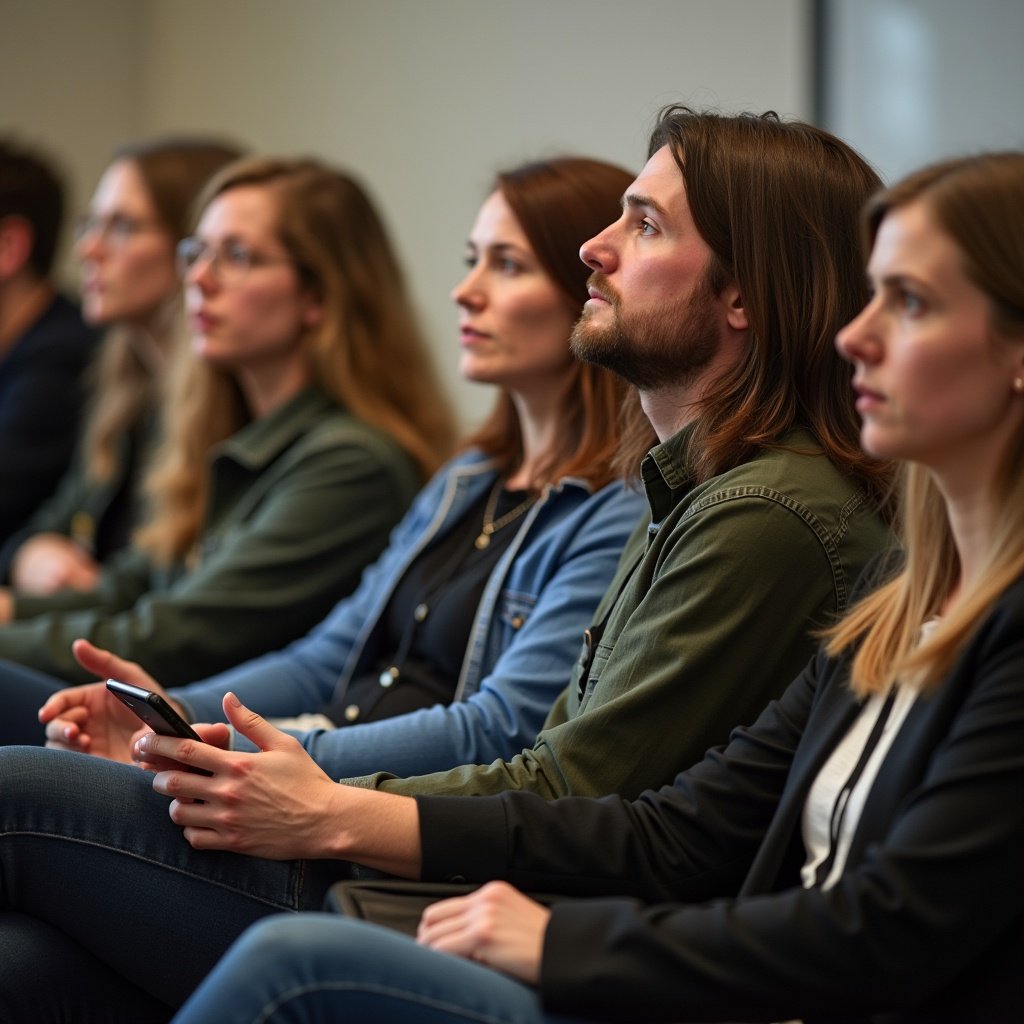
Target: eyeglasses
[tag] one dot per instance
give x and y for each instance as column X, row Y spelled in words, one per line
column 115, row 228
column 230, row 261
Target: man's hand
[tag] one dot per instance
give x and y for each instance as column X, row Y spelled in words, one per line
column 89, row 718
column 496, row 925
column 276, row 803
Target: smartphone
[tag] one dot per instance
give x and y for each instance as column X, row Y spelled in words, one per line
column 156, row 713
column 153, row 710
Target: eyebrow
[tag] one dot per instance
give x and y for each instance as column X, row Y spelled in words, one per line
column 635, row 199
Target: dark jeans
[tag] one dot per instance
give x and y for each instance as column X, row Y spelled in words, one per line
column 22, row 692
column 87, row 849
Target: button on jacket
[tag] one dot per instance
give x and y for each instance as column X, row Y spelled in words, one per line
column 299, row 502
column 522, row 643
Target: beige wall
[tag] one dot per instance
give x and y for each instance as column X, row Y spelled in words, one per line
column 423, row 99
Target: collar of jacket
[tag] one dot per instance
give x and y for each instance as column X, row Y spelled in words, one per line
column 261, row 441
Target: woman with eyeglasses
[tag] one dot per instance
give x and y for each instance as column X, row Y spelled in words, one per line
column 125, row 244
column 290, row 446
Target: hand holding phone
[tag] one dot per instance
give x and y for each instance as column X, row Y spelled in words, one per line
column 156, row 712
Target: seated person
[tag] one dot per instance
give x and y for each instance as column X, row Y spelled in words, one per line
column 289, row 451
column 44, row 344
column 763, row 509
column 855, row 853
column 139, row 212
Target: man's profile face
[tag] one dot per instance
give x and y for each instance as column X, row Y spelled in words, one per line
column 652, row 316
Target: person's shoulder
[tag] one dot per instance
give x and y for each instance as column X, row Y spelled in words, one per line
column 796, row 469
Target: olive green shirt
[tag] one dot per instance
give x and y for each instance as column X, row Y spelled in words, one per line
column 711, row 615
column 300, row 502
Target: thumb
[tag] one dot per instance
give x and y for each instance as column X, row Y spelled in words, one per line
column 253, row 726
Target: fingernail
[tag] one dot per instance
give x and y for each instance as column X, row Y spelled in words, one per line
column 234, row 701
column 144, row 743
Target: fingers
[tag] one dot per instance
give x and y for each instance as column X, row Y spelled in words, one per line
column 106, row 664
column 160, row 751
column 67, row 730
column 254, row 727
column 63, row 702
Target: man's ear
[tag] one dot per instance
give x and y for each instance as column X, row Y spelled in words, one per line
column 735, row 311
column 16, row 239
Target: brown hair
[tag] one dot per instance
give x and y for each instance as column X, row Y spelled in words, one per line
column 979, row 203
column 560, row 203
column 778, row 203
column 31, row 188
column 126, row 382
column 366, row 353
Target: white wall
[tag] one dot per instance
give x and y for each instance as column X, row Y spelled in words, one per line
column 423, row 99
column 909, row 82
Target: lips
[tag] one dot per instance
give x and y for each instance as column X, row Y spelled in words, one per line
column 470, row 335
column 867, row 399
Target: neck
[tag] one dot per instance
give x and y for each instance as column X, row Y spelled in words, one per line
column 540, row 424
column 675, row 405
column 267, row 389
column 22, row 302
column 669, row 409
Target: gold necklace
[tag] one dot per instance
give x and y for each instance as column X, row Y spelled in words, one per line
column 492, row 525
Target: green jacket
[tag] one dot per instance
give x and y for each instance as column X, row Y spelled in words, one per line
column 299, row 503
column 711, row 614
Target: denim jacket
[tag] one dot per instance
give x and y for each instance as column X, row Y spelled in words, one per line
column 522, row 645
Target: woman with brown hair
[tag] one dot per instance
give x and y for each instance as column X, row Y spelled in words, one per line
column 288, row 449
column 141, row 208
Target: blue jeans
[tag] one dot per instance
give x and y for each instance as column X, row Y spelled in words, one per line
column 329, row 969
column 87, row 848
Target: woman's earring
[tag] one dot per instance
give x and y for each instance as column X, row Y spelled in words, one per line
column 1018, row 385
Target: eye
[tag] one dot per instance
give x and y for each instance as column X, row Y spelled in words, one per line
column 509, row 266
column 237, row 255
column 120, row 225
column 911, row 303
column 470, row 260
column 645, row 228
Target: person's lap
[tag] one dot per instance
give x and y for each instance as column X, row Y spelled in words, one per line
column 324, row 968
column 87, row 846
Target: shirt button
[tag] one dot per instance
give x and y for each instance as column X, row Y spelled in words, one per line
column 351, row 712
column 421, row 612
column 517, row 621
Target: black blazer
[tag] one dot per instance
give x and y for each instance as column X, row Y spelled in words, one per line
column 926, row 923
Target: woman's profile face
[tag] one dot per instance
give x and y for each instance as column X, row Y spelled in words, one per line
column 514, row 322
column 934, row 382
column 247, row 305
column 126, row 253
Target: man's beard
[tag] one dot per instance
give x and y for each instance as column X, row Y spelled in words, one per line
column 655, row 348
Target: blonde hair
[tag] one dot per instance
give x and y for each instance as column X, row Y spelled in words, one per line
column 366, row 353
column 979, row 203
column 126, row 377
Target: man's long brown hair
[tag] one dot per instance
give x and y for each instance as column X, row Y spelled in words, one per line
column 778, row 203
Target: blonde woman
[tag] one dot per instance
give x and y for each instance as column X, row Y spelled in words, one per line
column 141, row 208
column 290, row 446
